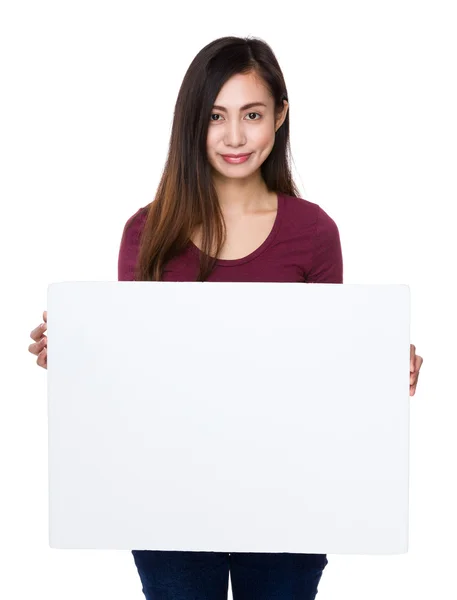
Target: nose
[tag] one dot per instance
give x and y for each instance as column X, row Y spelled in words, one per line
column 234, row 133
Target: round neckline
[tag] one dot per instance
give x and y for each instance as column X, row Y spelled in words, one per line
column 231, row 262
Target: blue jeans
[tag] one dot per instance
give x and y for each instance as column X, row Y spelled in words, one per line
column 176, row 575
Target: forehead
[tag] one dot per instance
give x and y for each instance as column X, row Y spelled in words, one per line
column 241, row 89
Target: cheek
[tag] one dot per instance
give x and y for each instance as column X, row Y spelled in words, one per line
column 263, row 137
column 211, row 139
column 265, row 146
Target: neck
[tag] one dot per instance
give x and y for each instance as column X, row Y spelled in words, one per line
column 242, row 196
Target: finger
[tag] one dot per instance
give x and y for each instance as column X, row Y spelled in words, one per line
column 413, row 386
column 45, row 316
column 417, row 365
column 42, row 359
column 37, row 347
column 412, row 353
column 36, row 333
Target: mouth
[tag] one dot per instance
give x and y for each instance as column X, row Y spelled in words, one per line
column 236, row 158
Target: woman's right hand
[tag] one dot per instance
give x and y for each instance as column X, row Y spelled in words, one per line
column 39, row 348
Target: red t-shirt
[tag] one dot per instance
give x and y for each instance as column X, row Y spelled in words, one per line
column 303, row 246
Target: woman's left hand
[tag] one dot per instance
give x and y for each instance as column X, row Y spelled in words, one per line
column 415, row 365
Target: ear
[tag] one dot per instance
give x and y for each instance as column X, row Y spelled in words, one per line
column 281, row 116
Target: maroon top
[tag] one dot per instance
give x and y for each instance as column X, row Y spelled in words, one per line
column 303, row 246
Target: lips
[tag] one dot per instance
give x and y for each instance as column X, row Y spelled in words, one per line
column 236, row 159
column 236, row 155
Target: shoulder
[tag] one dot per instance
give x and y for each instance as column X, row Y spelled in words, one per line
column 318, row 231
column 129, row 246
column 304, row 213
column 133, row 228
column 135, row 222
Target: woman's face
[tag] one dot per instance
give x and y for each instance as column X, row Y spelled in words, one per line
column 237, row 129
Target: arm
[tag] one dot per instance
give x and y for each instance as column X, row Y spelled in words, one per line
column 327, row 261
column 128, row 250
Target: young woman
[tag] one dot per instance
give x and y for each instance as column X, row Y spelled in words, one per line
column 227, row 209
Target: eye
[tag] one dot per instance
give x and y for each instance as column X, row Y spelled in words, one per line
column 218, row 115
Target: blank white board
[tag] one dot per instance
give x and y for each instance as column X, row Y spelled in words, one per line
column 229, row 417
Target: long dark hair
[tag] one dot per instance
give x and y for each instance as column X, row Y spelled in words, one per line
column 186, row 196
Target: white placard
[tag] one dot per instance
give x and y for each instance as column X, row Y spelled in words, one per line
column 229, row 417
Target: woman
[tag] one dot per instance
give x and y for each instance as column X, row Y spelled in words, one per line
column 227, row 209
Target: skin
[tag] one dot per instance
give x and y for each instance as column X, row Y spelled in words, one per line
column 40, row 346
column 240, row 188
column 242, row 192
column 415, row 365
column 246, row 202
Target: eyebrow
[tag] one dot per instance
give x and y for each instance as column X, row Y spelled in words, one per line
column 246, row 106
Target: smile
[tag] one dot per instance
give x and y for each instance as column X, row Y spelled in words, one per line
column 236, row 159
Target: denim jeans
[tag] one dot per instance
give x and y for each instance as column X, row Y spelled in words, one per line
column 176, row 575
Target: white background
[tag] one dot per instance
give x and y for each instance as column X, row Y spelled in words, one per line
column 88, row 92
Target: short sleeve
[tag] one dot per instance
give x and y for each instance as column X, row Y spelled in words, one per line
column 327, row 262
column 129, row 247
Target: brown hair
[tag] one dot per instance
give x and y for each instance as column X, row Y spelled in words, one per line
column 186, row 196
